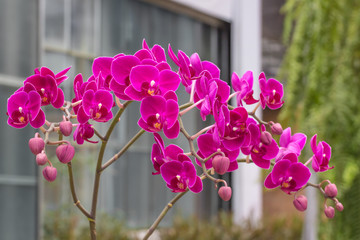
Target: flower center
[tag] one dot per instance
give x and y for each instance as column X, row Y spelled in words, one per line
column 21, row 119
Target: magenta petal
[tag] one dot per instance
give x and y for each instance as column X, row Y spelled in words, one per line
column 172, row 132
column 169, row 170
column 163, row 66
column 260, row 162
column 315, row 164
column 173, row 56
column 198, row 185
column 269, row 183
column 285, row 137
column 271, row 150
column 159, row 53
column 133, row 94
column 17, row 100
column 143, row 74
column 292, row 157
column 39, row 120
column 87, row 101
column 103, row 65
column 233, row 166
column 121, row 67
column 105, row 98
column 235, row 82
column 14, row 124
column 172, row 112
column 206, row 144
column 144, row 125
column 119, row 90
column 59, row 101
column 82, row 117
column 171, row 95
column 152, row 105
column 300, row 139
column 172, row 151
column 143, row 54
column 190, row 171
column 223, row 91
column 273, row 84
column 212, row 68
column 168, row 80
column 34, row 104
column 313, row 144
column 327, row 149
column 300, row 173
column 279, row 170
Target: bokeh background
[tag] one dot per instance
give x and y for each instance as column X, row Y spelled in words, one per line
column 311, row 46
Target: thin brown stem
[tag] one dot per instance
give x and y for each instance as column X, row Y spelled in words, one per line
column 122, row 151
column 73, row 192
column 92, row 220
column 163, row 213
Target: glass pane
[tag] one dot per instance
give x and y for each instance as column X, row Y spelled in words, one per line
column 54, row 27
column 18, row 212
column 16, row 156
column 18, row 38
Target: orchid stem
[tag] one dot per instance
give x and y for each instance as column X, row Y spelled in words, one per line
column 122, row 151
column 92, row 219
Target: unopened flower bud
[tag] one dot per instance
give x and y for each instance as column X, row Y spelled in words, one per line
column 276, row 129
column 66, row 128
column 225, row 193
column 36, row 145
column 329, row 212
column 331, row 190
column 266, row 138
column 49, row 173
column 41, row 158
column 339, row 206
column 300, row 203
column 65, row 153
column 220, row 164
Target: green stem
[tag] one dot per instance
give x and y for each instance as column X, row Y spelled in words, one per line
column 166, row 209
column 98, row 170
column 163, row 213
column 73, row 192
column 122, row 151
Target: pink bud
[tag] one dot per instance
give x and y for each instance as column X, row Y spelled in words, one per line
column 36, row 145
column 331, row 190
column 66, row 128
column 339, row 206
column 276, row 129
column 329, row 212
column 225, row 193
column 300, row 203
column 65, row 153
column 49, row 173
column 41, row 158
column 221, row 164
column 266, row 138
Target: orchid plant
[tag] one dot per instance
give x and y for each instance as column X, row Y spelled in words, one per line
column 147, row 77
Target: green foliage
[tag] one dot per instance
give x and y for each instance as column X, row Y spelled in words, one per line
column 322, row 69
column 64, row 224
column 224, row 228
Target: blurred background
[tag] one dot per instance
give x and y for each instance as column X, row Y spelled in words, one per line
column 311, row 46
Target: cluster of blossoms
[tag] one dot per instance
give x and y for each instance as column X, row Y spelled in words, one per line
column 147, row 77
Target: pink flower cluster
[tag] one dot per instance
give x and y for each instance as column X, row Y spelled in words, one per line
column 147, row 77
